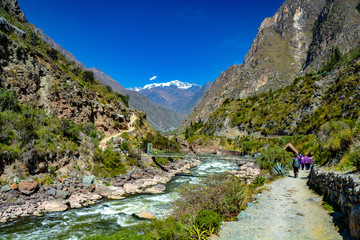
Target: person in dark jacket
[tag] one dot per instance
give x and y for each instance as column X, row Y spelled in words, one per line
column 296, row 166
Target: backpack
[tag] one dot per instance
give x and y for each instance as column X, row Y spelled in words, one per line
column 296, row 162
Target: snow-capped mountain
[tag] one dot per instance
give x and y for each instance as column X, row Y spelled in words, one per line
column 175, row 83
column 176, row 95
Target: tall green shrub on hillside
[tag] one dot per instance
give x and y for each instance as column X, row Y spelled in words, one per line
column 273, row 155
column 8, row 101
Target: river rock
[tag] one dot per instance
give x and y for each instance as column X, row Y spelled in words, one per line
column 103, row 190
column 88, row 180
column 159, row 188
column 14, row 186
column 61, row 194
column 92, row 187
column 116, row 193
column 55, row 206
column 28, row 188
column 51, row 192
column 5, row 188
column 145, row 214
column 75, row 204
column 132, row 188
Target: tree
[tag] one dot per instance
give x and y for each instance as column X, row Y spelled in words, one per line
column 89, row 77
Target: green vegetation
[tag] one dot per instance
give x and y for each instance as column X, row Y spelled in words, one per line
column 111, row 163
column 160, row 142
column 273, row 156
column 223, row 194
column 198, row 213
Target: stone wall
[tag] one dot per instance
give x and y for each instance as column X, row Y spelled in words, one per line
column 342, row 189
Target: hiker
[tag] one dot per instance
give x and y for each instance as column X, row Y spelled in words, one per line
column 308, row 162
column 302, row 161
column 296, row 165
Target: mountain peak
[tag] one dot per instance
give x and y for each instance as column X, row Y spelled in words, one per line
column 174, row 83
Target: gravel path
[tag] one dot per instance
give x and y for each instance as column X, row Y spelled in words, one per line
column 289, row 210
column 102, row 143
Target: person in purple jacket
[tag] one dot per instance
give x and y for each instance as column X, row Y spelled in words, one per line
column 308, row 162
column 302, row 161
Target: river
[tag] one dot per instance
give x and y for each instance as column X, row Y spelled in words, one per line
column 108, row 216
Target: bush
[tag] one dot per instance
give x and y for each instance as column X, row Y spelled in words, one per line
column 223, row 194
column 52, row 53
column 208, row 221
column 89, row 77
column 69, row 129
column 274, row 154
column 354, row 157
column 8, row 101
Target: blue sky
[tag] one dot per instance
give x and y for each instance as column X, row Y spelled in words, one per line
column 135, row 40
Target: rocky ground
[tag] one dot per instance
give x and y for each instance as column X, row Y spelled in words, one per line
column 288, row 210
column 30, row 198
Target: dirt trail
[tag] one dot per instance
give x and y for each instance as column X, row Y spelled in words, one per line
column 102, row 143
column 288, row 210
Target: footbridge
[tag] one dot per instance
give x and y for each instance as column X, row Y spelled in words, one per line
column 200, row 156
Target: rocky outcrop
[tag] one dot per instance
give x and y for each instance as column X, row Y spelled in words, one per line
column 343, row 190
column 298, row 39
column 274, row 59
column 337, row 26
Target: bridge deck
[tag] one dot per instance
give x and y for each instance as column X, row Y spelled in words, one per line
column 201, row 156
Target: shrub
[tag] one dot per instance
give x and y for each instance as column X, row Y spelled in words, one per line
column 89, row 77
column 52, row 53
column 223, row 194
column 354, row 156
column 208, row 221
column 52, row 171
column 8, row 101
column 274, row 154
column 69, row 129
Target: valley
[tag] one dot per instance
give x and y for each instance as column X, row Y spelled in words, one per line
column 83, row 157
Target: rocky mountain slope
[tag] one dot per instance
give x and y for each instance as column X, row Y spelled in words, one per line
column 295, row 41
column 159, row 117
column 53, row 113
column 178, row 96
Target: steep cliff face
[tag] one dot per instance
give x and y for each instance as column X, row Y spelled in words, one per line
column 276, row 56
column 324, row 88
column 338, row 26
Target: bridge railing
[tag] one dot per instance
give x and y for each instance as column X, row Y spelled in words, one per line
column 202, row 156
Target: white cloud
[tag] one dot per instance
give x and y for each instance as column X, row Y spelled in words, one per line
column 153, row 78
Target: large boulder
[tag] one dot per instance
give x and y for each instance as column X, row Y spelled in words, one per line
column 28, row 188
column 132, row 188
column 88, row 180
column 145, row 214
column 102, row 190
column 5, row 188
column 55, row 206
column 61, row 194
column 117, row 193
column 159, row 188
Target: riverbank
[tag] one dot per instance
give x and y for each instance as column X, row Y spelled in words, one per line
column 29, row 198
